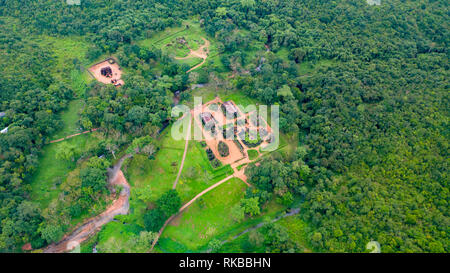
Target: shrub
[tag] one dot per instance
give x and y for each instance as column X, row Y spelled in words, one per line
column 169, row 202
column 154, row 220
column 224, row 151
column 216, row 163
column 252, row 143
column 210, row 154
column 252, row 154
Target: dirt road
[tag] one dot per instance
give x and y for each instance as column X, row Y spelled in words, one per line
column 185, row 152
column 67, row 137
column 93, row 225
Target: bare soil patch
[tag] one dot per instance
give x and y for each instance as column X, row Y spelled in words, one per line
column 114, row 78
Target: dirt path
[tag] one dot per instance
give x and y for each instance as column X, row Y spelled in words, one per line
column 185, row 152
column 67, row 137
column 202, row 52
column 292, row 212
column 187, row 205
column 93, row 225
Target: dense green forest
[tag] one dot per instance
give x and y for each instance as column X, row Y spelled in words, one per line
column 363, row 88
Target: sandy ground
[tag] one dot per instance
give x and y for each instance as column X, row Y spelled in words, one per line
column 116, row 72
column 202, row 52
column 93, row 225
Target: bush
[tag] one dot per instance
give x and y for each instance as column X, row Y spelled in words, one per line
column 169, row 202
column 154, row 220
column 37, row 242
column 216, row 163
column 251, row 143
column 252, row 154
column 224, row 151
column 210, row 154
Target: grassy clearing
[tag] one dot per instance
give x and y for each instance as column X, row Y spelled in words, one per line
column 167, row 41
column 159, row 173
column 191, row 231
column 115, row 237
column 65, row 51
column 79, row 81
column 270, row 211
column 207, row 217
column 305, row 68
column 198, row 173
column 48, row 176
column 283, row 53
column 191, row 61
column 297, row 230
column 70, row 119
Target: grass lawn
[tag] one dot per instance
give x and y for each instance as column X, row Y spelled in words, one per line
column 198, row 173
column 51, row 172
column 191, row 61
column 208, row 93
column 204, row 219
column 159, row 173
column 70, row 118
column 114, row 237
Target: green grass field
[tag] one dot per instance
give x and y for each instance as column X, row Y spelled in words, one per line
column 51, row 172
column 159, row 175
column 70, row 118
column 297, row 230
column 204, row 219
column 198, row 173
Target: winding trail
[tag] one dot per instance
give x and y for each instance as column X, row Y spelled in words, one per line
column 67, row 137
column 185, row 152
column 199, row 53
column 94, row 224
column 187, row 205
